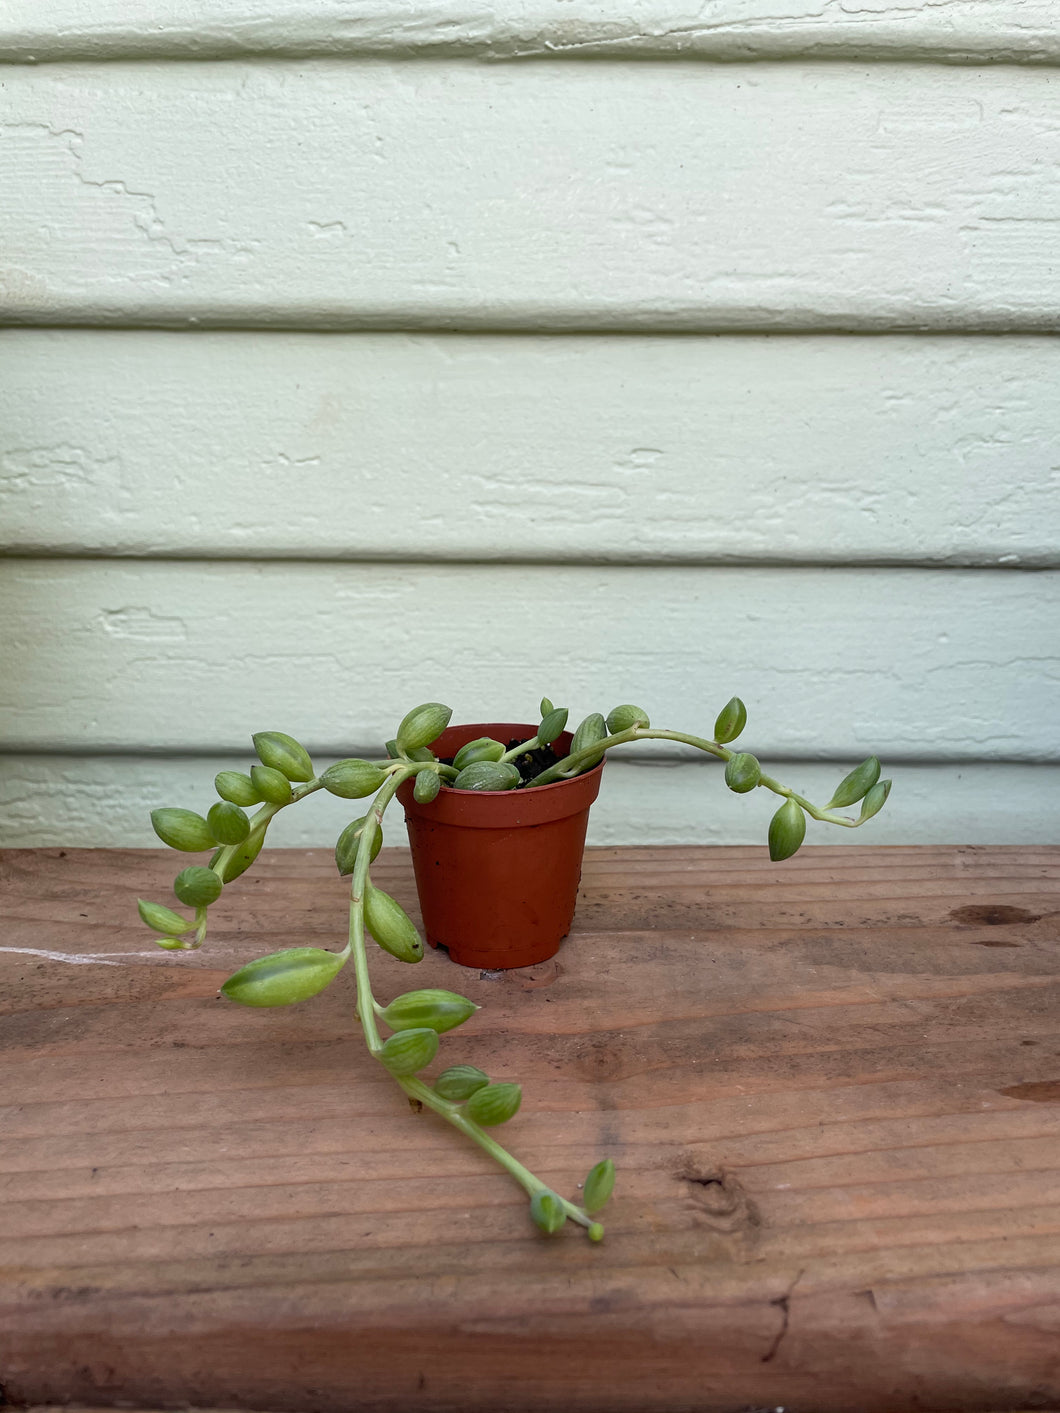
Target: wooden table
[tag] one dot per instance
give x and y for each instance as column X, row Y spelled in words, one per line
column 831, row 1087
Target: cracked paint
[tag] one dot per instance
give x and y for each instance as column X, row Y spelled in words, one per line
column 45, row 151
column 539, row 196
column 143, row 624
column 59, row 467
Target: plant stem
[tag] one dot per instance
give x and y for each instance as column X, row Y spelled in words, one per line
column 368, row 1008
column 766, row 781
column 447, row 772
column 258, row 825
column 260, row 822
column 711, row 747
column 520, row 749
column 573, row 763
column 827, row 816
column 454, row 1114
column 358, row 887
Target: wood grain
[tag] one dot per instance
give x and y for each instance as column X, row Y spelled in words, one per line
column 829, row 1086
column 579, row 195
column 629, row 449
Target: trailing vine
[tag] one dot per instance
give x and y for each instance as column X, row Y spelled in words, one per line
column 462, row 1095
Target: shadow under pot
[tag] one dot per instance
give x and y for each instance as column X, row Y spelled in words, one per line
column 497, row 871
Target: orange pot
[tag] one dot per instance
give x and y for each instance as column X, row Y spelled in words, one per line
column 497, row 871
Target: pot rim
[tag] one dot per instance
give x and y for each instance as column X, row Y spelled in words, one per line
column 514, row 727
column 501, row 809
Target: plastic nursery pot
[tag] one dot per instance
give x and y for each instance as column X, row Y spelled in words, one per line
column 497, row 871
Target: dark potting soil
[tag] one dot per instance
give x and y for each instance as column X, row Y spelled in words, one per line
column 530, row 764
column 533, row 763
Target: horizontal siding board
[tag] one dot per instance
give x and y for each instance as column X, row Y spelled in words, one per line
column 981, row 31
column 930, row 665
column 433, row 447
column 554, row 196
column 106, row 802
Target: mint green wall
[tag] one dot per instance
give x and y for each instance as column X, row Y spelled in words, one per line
column 347, row 369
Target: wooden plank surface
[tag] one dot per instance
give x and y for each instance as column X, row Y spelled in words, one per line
column 929, row 665
column 980, row 31
column 824, row 449
column 574, row 195
column 831, row 1088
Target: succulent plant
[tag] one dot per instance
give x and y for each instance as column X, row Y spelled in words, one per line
column 462, row 1095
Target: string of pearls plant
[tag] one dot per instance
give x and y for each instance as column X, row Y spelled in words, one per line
column 462, row 1095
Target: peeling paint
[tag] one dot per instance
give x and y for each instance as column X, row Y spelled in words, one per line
column 388, row 201
column 143, row 624
column 141, row 207
column 61, row 466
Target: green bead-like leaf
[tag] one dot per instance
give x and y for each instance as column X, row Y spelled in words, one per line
column 730, row 722
column 283, row 753
column 182, row 829
column 595, row 1232
column 591, row 730
column 272, row 785
column 242, row 858
column 552, row 725
column 438, row 1010
column 787, row 829
column 349, row 841
column 409, row 1051
column 159, row 918
column 459, row 1082
column 422, row 725
column 391, row 926
column 237, row 788
column 228, row 823
column 875, row 800
column 621, row 718
column 352, row 779
column 283, row 978
column 598, row 1185
column 545, row 707
column 174, row 944
column 487, row 775
column 856, row 785
column 428, row 784
column 494, row 1104
column 547, row 1212
column 197, row 887
column 742, row 772
column 484, row 748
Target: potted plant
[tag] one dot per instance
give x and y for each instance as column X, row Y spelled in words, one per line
column 499, row 790
column 498, row 864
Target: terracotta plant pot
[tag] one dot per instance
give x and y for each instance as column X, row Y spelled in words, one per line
column 497, row 871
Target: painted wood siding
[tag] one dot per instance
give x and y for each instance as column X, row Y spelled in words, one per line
column 817, row 449
column 968, row 32
column 677, row 194
column 357, row 358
